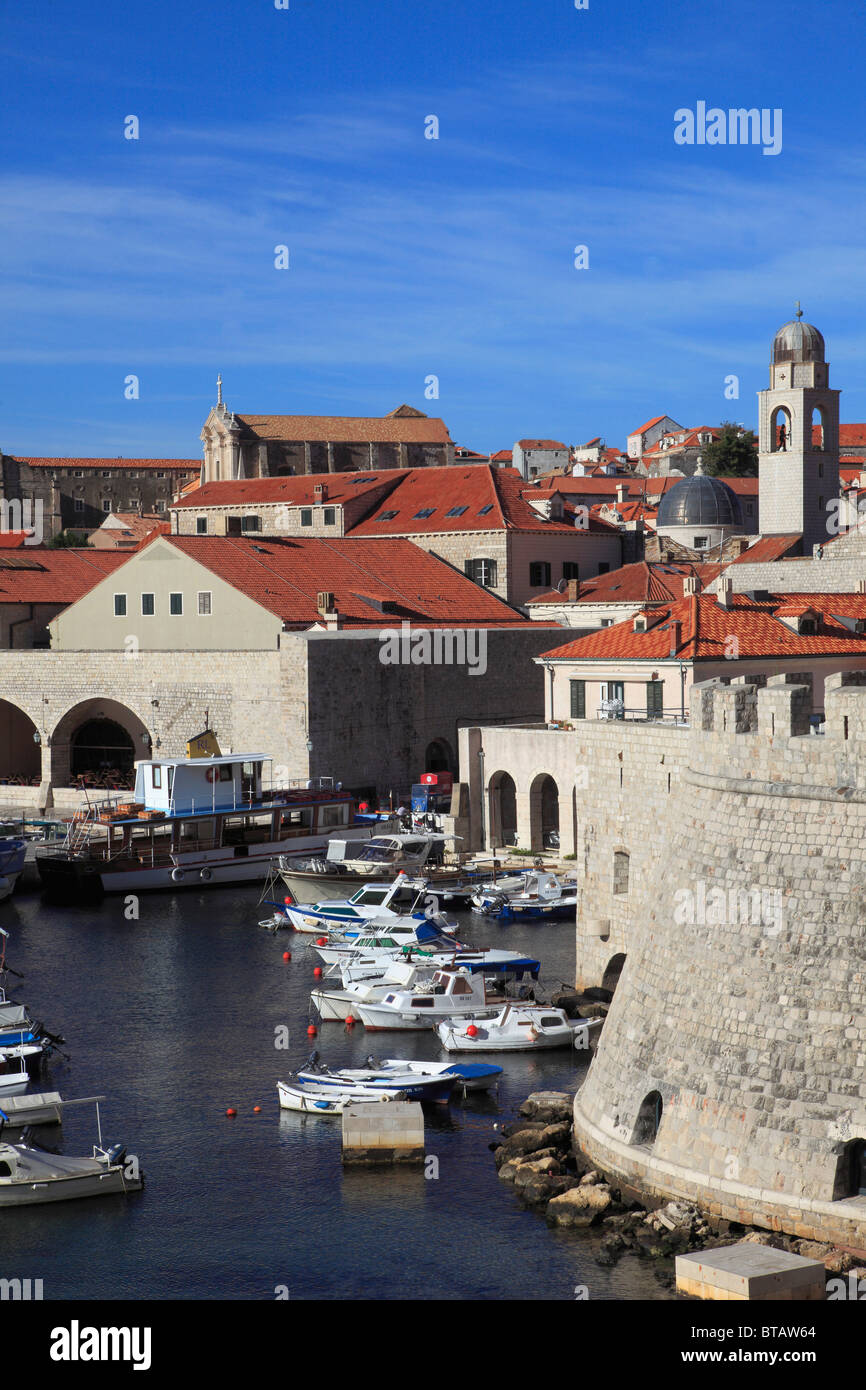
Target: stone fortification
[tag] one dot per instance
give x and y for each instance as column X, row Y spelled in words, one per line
column 731, row 1068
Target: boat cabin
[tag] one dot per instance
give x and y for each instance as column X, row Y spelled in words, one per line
column 182, row 786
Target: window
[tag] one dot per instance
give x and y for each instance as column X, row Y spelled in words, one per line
column 701, row 542
column 79, row 504
column 160, row 475
column 133, row 475
column 539, row 574
column 607, row 622
column 386, row 516
column 604, row 567
column 147, row 605
column 159, row 505
column 654, row 699
column 120, row 605
column 133, row 504
column 106, row 472
column 457, row 511
column 175, row 605
column 578, row 699
column 106, row 504
column 620, row 872
column 482, row 572
column 329, row 516
column 156, row 776
column 424, row 512
column 201, row 525
column 251, row 523
column 204, row 603
column 486, row 509
column 306, row 516
column 79, row 473
column 570, row 570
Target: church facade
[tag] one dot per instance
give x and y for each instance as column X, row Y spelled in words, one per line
column 278, row 446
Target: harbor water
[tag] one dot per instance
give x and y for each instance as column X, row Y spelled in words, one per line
column 183, row 1012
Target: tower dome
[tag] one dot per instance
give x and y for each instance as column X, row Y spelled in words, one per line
column 700, row 502
column 798, row 342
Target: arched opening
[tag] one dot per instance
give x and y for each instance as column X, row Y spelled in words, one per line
column 819, row 436
column 503, row 810
column 96, row 744
column 851, row 1171
column 544, row 813
column 621, row 864
column 20, row 754
column 439, row 757
column 649, row 1118
column 610, row 978
column 780, row 430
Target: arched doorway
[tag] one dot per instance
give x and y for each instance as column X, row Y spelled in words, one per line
column 96, row 744
column 544, row 813
column 439, row 757
column 20, row 753
column 101, row 746
column 610, row 978
column 503, row 810
column 649, row 1118
column 851, row 1171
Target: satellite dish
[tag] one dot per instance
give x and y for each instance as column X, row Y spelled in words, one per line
column 562, row 586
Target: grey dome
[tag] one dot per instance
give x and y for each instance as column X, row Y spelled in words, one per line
column 699, row 501
column 798, row 342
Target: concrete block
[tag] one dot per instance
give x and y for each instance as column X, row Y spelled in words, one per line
column 750, row 1273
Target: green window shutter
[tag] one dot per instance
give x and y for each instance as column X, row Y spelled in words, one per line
column 578, row 699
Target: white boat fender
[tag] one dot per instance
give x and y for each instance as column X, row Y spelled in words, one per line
column 177, row 875
column 205, row 875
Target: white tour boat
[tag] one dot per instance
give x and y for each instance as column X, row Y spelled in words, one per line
column 196, row 821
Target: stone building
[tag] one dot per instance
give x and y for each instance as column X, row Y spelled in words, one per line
column 58, row 494
column 720, row 872
column 276, row 446
column 700, row 513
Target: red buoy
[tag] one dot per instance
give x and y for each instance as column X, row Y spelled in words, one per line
column 257, row 1110
column 312, row 1030
column 287, row 955
column 472, row 1031
column 321, row 941
column 288, row 901
column 231, row 1110
column 350, row 1022
column 318, row 972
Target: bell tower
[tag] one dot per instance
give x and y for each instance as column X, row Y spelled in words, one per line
column 798, row 449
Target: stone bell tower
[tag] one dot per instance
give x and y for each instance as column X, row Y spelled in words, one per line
column 798, row 451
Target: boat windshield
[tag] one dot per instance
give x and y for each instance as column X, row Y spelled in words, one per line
column 369, row 897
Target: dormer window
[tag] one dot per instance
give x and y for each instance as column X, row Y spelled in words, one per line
column 807, row 627
column 640, row 622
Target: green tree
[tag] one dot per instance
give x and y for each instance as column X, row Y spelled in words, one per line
column 69, row 538
column 733, row 454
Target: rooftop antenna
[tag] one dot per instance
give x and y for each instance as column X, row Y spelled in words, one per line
column 219, row 390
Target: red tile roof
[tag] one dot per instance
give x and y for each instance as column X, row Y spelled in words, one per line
column 13, row 540
column 541, row 444
column 641, row 582
column 767, row 549
column 55, row 575
column 656, row 420
column 441, row 490
column 706, row 629
column 285, row 576
column 348, row 429
column 502, row 455
column 170, row 465
column 298, row 490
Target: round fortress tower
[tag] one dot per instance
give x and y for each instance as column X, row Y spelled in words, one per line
column 732, row 1066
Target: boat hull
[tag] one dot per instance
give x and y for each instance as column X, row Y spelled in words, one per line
column 66, row 1189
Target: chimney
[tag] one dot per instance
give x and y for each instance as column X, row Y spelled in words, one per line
column 861, row 586
column 725, row 592
column 690, row 585
column 676, row 630
column 572, row 592
column 621, row 493
column 320, row 492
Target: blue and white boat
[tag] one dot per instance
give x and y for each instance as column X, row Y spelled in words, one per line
column 12, row 856
column 416, row 1083
column 374, row 902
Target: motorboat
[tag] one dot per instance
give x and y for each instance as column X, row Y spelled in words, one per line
column 498, row 887
column 515, row 1028
column 419, row 1083
column 13, row 1078
column 468, row 1076
column 337, row 1003
column 12, row 855
column 29, row 1175
column 540, row 894
column 311, row 1099
column 206, row 819
column 450, row 993
column 379, row 902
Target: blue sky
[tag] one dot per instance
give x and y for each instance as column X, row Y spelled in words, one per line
column 412, row 257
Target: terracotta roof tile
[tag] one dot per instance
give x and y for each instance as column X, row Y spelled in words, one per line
column 170, row 465
column 347, row 429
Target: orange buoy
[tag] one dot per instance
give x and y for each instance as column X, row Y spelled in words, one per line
column 257, row 1110
column 350, row 1022
column 231, row 1110
column 312, row 1030
column 287, row 955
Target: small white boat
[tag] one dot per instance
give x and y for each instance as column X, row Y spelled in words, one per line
column 310, row 1099
column 452, row 992
column 29, row 1175
column 418, row 1083
column 539, row 894
column 373, row 902
column 515, row 1028
column 13, row 1080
